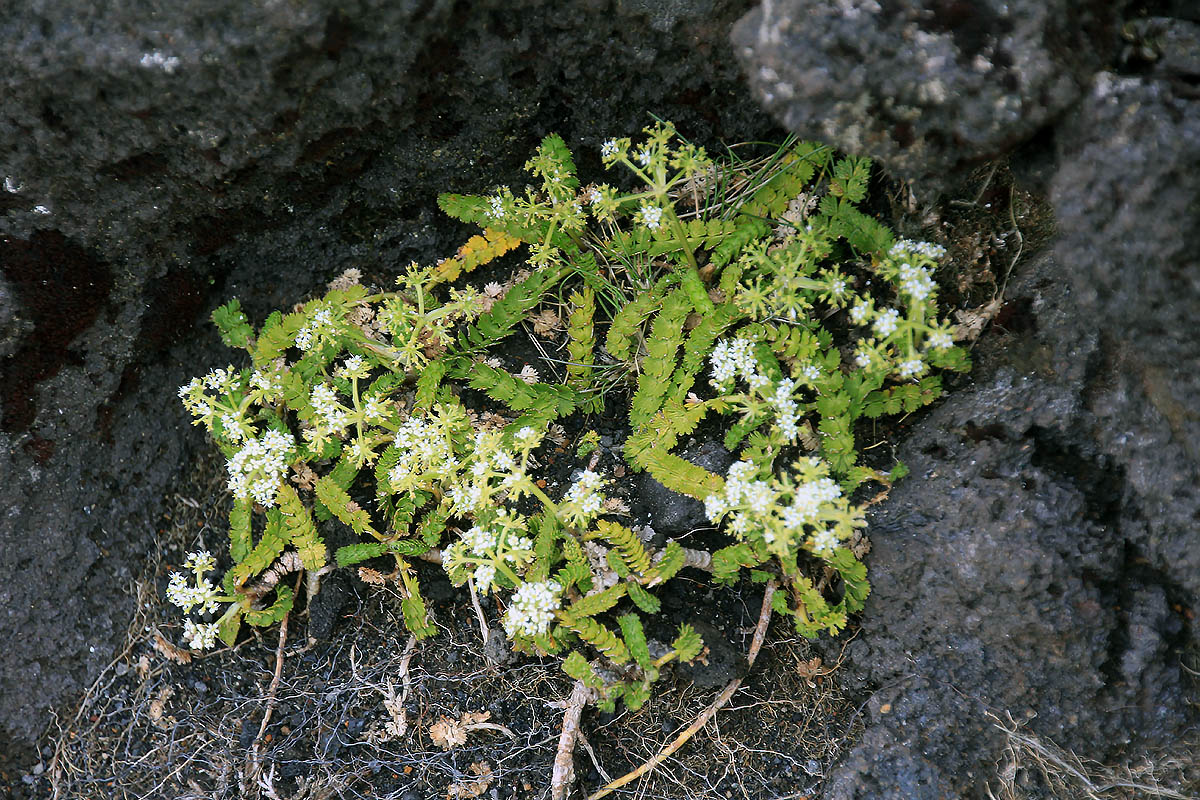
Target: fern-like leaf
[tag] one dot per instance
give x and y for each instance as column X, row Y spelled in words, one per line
column 232, row 324
column 351, row 554
column 508, row 311
column 270, row 545
column 729, row 561
column 643, row 599
column 665, row 339
column 597, row 603
column 240, row 536
column 581, row 341
column 672, row 560
column 598, row 636
column 635, row 640
column 300, row 528
column 626, row 542
column 577, row 667
column 284, row 598
column 625, row 323
column 478, row 251
column 687, row 644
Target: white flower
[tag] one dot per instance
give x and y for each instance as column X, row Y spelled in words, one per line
column 906, row 247
column 759, row 497
column 352, row 367
column 858, row 314
column 375, row 409
column 203, row 595
column 259, row 467
column 320, row 324
column 940, row 340
column 496, row 211
column 608, row 149
column 886, row 322
column 862, row 358
column 531, row 609
column 200, row 561
column 528, row 374
column 810, row 372
column 484, row 575
column 585, row 495
column 526, row 435
column 479, row 540
column 644, row 155
column 910, row 368
column 464, row 499
column 594, row 196
column 651, row 216
column 200, row 636
column 838, row 287
column 824, row 541
column 731, row 358
column 916, row 282
column 715, row 507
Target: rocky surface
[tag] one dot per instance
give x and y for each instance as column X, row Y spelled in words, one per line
column 1041, row 570
column 159, row 159
column 930, row 87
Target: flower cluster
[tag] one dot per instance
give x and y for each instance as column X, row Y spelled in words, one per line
column 425, row 450
column 583, row 502
column 199, row 594
column 200, row 635
column 531, row 609
column 734, row 358
column 321, row 327
column 216, row 402
column 266, row 384
column 330, row 417
column 650, row 216
column 907, row 247
column 805, row 509
column 260, row 466
column 496, row 543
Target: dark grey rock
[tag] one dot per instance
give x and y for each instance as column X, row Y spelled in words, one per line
column 673, row 514
column 1007, row 581
column 929, row 87
column 159, row 159
column 1128, row 200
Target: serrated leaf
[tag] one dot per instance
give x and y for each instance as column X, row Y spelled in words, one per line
column 643, row 599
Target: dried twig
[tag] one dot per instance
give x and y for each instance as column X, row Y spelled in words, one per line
column 254, row 766
column 760, row 633
column 564, row 759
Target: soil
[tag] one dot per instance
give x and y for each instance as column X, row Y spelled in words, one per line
column 165, row 723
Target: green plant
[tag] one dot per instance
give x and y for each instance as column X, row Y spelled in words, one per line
column 763, row 280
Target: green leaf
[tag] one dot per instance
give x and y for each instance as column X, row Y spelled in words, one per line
column 635, row 640
column 231, row 323
column 687, row 644
column 284, row 598
column 240, row 537
column 351, row 554
column 597, row 603
column 643, row 599
column 229, row 624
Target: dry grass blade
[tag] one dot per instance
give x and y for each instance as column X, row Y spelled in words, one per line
column 760, row 633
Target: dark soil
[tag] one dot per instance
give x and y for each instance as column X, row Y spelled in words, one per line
column 153, row 727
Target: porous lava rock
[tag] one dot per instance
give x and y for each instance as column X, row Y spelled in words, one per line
column 927, row 86
column 160, row 158
column 1040, row 569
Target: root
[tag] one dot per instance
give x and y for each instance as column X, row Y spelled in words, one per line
column 564, row 759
